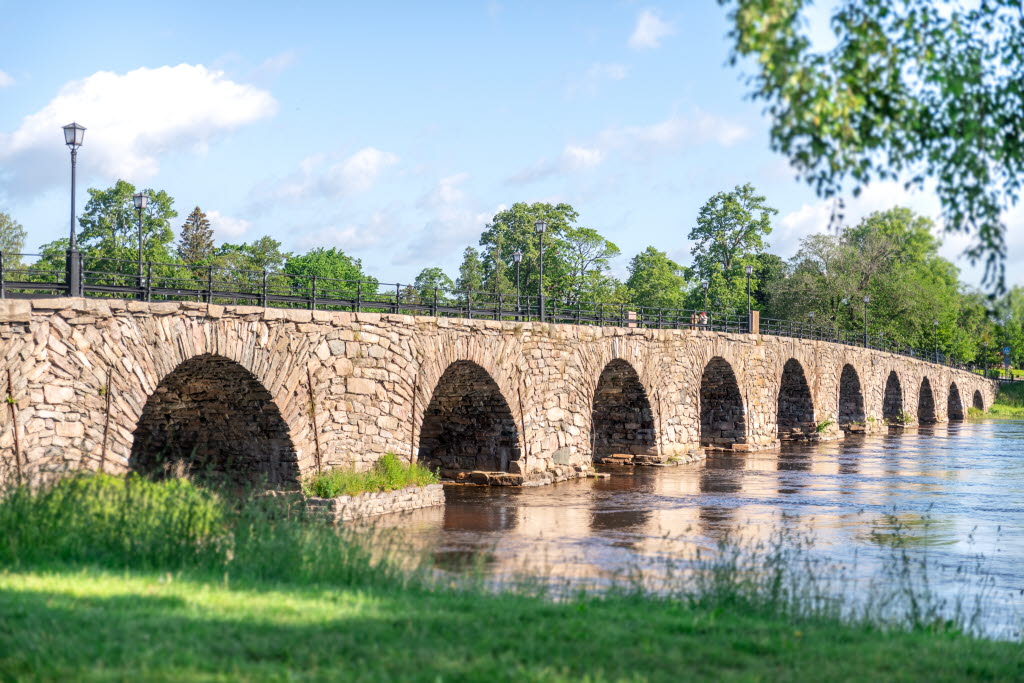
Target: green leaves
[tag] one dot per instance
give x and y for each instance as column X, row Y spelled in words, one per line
column 910, row 89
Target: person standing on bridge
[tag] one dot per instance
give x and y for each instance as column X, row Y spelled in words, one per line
column 704, row 320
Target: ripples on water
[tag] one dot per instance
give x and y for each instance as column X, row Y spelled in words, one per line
column 952, row 495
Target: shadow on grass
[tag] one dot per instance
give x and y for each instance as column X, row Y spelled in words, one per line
column 186, row 629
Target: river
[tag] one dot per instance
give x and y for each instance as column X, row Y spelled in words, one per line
column 951, row 496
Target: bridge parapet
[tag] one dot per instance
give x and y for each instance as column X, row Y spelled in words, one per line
column 248, row 392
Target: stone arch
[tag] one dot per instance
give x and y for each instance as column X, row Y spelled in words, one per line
column 722, row 414
column 212, row 418
column 795, row 416
column 468, row 425
column 851, row 399
column 978, row 401
column 622, row 421
column 926, row 403
column 892, row 399
column 954, row 406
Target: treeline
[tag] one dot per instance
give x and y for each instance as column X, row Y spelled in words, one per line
column 887, row 266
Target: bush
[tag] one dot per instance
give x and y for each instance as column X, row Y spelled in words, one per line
column 387, row 474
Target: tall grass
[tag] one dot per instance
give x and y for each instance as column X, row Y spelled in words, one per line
column 173, row 525
column 387, row 474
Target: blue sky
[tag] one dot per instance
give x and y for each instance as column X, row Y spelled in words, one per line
column 396, row 130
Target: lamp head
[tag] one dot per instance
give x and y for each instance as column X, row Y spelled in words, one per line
column 141, row 200
column 74, row 134
column 517, row 256
column 540, row 226
column 748, row 269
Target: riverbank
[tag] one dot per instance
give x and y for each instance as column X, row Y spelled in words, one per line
column 1009, row 403
column 110, row 578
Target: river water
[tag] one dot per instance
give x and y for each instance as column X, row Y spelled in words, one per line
column 950, row 496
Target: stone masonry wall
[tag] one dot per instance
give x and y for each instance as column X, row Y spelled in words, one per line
column 346, row 508
column 349, row 387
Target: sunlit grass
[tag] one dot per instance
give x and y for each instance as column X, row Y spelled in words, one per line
column 387, row 474
column 107, row 578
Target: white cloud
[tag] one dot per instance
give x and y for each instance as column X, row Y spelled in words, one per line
column 131, row 119
column 227, row 226
column 447, row 192
column 650, row 29
column 378, row 230
column 596, row 76
column 317, row 177
column 637, row 142
column 6, row 80
column 275, row 65
column 452, row 221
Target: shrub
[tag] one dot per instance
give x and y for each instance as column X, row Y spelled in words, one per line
column 387, row 474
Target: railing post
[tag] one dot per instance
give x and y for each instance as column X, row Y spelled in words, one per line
column 149, row 280
column 263, row 290
column 3, row 294
column 74, row 272
column 600, row 314
column 433, row 306
column 398, row 296
column 312, row 296
column 579, row 312
column 209, row 284
column 497, row 315
column 622, row 315
column 469, row 304
column 359, row 295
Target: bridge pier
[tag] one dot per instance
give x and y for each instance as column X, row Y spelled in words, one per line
column 262, row 393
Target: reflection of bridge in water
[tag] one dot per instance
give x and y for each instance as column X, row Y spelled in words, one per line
column 255, row 394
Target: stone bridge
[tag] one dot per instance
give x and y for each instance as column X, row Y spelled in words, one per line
column 263, row 394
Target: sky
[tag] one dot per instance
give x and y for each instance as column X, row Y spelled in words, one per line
column 396, row 130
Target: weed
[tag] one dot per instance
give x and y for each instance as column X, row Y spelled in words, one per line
column 387, row 474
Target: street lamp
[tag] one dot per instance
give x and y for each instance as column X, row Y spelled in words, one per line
column 814, row 332
column 517, row 256
column 540, row 226
column 141, row 200
column 748, row 270
column 74, row 134
column 705, row 284
column 866, row 300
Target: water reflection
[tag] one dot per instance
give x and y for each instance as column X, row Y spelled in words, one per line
column 954, row 491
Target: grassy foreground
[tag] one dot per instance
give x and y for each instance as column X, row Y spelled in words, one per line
column 123, row 579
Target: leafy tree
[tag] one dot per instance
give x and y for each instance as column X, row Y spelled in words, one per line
column 913, row 88
column 262, row 254
column 110, row 226
column 12, row 240
column 338, row 274
column 471, row 273
column 431, row 281
column 196, row 242
column 729, row 235
column 588, row 256
column 655, row 280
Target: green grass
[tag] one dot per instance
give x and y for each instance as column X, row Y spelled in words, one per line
column 1009, row 403
column 200, row 587
column 387, row 474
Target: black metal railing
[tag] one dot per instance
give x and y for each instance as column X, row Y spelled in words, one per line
column 29, row 276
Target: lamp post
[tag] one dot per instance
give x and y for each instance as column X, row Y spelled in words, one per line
column 705, row 284
column 984, row 359
column 814, row 332
column 866, row 300
column 935, row 338
column 748, row 270
column 517, row 256
column 141, row 200
column 540, row 226
column 74, row 134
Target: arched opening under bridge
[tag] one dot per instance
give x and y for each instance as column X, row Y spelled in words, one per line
column 795, row 407
column 926, row 403
column 723, row 420
column 978, row 402
column 622, row 421
column 851, row 400
column 213, row 420
column 892, row 399
column 468, row 426
column 954, row 406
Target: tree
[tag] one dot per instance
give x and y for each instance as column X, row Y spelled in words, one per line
column 729, row 234
column 588, row 257
column 338, row 274
column 912, row 90
column 109, row 224
column 262, row 254
column 12, row 240
column 471, row 272
column 431, row 280
column 655, row 280
column 196, row 242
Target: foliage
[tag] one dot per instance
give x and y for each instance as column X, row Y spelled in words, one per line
column 912, row 89
column 431, row 280
column 728, row 236
column 263, row 254
column 12, row 240
column 823, row 426
column 471, row 272
column 387, row 474
column 196, row 242
column 110, row 225
column 655, row 280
